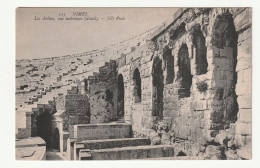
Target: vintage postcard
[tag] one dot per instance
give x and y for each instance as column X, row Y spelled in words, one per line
column 133, row 83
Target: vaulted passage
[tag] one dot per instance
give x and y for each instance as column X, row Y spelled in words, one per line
column 201, row 51
column 225, row 38
column 137, row 86
column 158, row 87
column 120, row 96
column 185, row 77
column 43, row 123
column 169, row 59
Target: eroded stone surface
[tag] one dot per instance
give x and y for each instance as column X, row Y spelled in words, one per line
column 186, row 83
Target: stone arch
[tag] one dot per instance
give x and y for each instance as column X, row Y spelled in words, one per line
column 56, row 139
column 184, row 77
column 158, row 87
column 43, row 127
column 199, row 42
column 223, row 32
column 137, row 86
column 169, row 61
column 120, row 96
column 225, row 38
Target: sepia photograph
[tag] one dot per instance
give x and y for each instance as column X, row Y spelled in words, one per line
column 128, row 83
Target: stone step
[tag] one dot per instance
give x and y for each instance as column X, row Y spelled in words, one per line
column 127, row 153
column 108, row 143
column 102, row 131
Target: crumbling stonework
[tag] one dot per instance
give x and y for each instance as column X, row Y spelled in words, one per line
column 201, row 102
column 102, row 91
column 187, row 85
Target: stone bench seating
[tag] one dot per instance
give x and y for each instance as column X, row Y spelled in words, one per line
column 39, row 95
column 30, row 101
column 34, row 98
column 127, row 153
column 108, row 143
column 43, row 92
column 48, row 89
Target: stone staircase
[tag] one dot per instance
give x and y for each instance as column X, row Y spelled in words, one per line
column 103, row 141
column 80, row 148
column 127, row 153
column 112, row 141
column 44, row 97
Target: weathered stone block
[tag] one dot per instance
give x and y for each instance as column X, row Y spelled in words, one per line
column 246, row 34
column 244, row 49
column 243, row 19
column 232, row 155
column 245, row 115
column 214, row 152
column 244, row 88
column 244, row 128
column 240, row 76
column 243, row 140
column 245, row 153
column 245, row 101
column 244, row 63
column 248, row 74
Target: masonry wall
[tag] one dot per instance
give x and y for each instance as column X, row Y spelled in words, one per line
column 243, row 124
column 102, row 92
column 201, row 60
column 73, row 108
column 215, row 47
column 137, row 113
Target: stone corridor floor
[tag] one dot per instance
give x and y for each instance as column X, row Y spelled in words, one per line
column 53, row 154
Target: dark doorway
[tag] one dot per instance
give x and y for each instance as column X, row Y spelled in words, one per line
column 56, row 139
column 43, row 123
column 185, row 77
column 120, row 96
column 137, row 86
column 169, row 60
column 201, row 51
column 224, row 37
column 158, row 87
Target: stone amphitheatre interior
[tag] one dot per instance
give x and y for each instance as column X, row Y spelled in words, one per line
column 180, row 91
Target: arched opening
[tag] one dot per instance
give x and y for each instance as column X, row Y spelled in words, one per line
column 181, row 154
column 137, row 86
column 158, row 87
column 43, row 124
column 120, row 96
column 225, row 37
column 201, row 51
column 56, row 139
column 185, row 77
column 169, row 60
